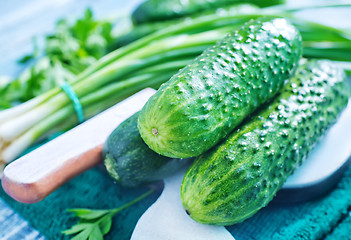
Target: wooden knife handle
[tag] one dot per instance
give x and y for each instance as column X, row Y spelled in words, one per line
column 34, row 191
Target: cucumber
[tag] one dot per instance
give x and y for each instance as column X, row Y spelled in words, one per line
column 130, row 162
column 243, row 13
column 231, row 182
column 158, row 10
column 207, row 99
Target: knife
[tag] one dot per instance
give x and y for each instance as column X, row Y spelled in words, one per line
column 35, row 175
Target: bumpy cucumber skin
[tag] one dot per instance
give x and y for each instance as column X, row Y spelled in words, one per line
column 234, row 180
column 131, row 162
column 207, row 99
column 157, row 10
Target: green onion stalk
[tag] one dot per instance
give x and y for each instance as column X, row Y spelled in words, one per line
column 99, row 88
column 147, row 61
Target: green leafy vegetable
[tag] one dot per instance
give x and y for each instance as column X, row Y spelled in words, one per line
column 94, row 224
column 66, row 53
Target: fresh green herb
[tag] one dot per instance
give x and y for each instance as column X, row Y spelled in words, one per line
column 67, row 52
column 94, row 223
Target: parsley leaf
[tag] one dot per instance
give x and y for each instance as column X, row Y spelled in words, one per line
column 68, row 51
column 93, row 224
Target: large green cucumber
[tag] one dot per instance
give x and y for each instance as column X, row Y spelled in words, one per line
column 129, row 160
column 158, row 10
column 234, row 180
column 207, row 99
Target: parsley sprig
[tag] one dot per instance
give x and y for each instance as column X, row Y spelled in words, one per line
column 93, row 224
column 67, row 52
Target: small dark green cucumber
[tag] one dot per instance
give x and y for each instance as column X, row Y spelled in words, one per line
column 131, row 162
column 158, row 10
